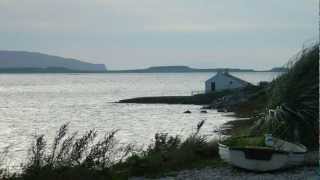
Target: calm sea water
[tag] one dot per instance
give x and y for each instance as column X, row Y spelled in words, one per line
column 33, row 104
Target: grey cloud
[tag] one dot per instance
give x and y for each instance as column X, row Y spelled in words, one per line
column 137, row 33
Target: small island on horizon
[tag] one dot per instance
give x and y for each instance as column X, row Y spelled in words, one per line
column 187, row 69
column 31, row 62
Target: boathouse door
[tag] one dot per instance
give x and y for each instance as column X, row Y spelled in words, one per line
column 213, row 86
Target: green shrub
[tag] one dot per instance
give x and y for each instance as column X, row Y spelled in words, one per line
column 241, row 142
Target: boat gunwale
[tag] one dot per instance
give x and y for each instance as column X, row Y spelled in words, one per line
column 273, row 150
column 236, row 148
column 263, row 147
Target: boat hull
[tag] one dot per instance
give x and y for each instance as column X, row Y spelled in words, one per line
column 259, row 159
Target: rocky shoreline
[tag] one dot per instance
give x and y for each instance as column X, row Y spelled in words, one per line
column 244, row 102
column 199, row 99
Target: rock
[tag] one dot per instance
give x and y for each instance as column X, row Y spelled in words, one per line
column 203, row 111
column 187, row 112
column 225, row 110
column 206, row 107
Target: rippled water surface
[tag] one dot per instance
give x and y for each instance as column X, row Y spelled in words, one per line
column 39, row 103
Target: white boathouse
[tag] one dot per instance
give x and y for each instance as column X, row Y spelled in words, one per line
column 223, row 81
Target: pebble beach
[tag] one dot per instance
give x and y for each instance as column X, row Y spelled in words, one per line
column 229, row 173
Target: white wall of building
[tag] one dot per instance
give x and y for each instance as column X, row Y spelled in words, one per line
column 223, row 82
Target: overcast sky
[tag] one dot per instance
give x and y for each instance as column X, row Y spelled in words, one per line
column 126, row 34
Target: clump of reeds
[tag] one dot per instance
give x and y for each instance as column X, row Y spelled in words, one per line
column 3, row 155
column 170, row 153
column 87, row 157
column 294, row 99
column 73, row 157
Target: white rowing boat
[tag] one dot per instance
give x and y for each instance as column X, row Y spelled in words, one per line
column 281, row 154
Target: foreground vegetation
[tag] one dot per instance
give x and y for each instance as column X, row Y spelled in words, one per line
column 287, row 108
column 86, row 157
column 293, row 104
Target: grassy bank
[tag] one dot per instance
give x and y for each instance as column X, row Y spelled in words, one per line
column 288, row 107
column 292, row 107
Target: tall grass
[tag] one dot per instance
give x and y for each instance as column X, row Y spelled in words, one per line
column 88, row 157
column 294, row 98
column 170, row 153
column 73, row 157
column 3, row 155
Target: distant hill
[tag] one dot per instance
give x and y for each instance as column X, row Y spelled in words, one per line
column 29, row 61
column 169, row 69
column 178, row 69
column 279, row 69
